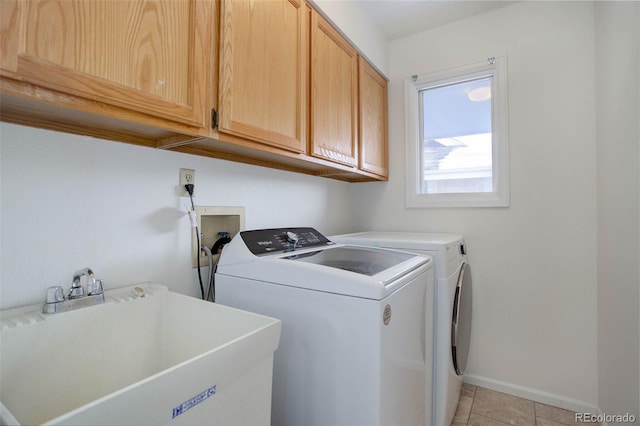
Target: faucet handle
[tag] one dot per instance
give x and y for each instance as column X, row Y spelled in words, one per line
column 55, row 294
column 95, row 288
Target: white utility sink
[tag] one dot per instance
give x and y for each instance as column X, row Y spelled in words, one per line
column 163, row 358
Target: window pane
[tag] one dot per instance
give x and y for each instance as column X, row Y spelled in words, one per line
column 456, row 138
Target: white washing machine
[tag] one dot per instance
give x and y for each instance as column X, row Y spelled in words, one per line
column 355, row 347
column 452, row 307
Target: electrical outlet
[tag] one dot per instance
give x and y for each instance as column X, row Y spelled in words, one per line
column 187, row 176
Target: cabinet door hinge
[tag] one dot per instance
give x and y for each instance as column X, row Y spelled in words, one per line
column 214, row 118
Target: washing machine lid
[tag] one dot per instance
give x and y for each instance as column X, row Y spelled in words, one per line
column 315, row 263
column 361, row 260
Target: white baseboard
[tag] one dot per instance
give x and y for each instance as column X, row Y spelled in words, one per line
column 533, row 394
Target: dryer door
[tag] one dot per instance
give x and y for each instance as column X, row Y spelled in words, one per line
column 461, row 320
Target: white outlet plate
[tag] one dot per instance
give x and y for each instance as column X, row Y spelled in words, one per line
column 187, row 176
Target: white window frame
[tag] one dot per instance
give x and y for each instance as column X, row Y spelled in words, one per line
column 499, row 197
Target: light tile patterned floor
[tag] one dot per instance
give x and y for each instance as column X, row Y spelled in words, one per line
column 483, row 407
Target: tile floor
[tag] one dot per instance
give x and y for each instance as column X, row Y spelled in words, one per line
column 483, row 407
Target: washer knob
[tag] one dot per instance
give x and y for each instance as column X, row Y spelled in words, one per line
column 292, row 237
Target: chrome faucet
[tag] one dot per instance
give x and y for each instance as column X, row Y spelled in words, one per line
column 77, row 290
column 56, row 302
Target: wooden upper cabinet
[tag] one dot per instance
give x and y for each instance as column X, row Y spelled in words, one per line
column 334, row 94
column 287, row 86
column 373, row 115
column 264, row 70
column 151, row 57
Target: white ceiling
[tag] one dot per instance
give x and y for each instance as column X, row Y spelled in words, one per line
column 399, row 18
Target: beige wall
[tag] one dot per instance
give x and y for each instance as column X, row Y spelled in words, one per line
column 618, row 143
column 70, row 201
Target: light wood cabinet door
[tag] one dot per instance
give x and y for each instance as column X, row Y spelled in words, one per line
column 264, row 70
column 146, row 56
column 373, row 118
column 334, row 91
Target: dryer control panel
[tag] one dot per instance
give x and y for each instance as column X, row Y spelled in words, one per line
column 279, row 240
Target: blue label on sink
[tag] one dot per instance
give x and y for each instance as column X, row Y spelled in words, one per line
column 192, row 402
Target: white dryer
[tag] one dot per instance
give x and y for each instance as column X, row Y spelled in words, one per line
column 452, row 307
column 355, row 348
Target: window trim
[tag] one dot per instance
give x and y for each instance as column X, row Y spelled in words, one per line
column 499, row 197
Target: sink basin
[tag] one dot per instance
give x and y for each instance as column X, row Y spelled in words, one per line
column 163, row 358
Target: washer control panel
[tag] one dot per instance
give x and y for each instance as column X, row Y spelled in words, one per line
column 279, row 240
